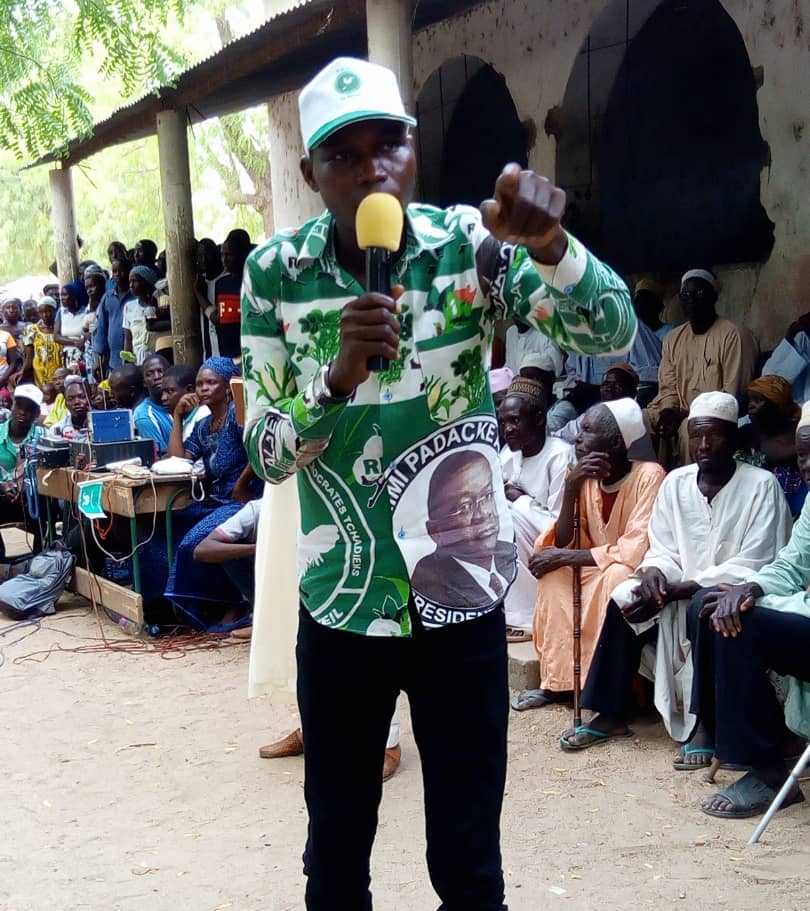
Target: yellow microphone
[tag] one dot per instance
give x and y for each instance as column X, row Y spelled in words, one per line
column 378, row 225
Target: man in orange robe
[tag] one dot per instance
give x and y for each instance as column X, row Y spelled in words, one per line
column 615, row 498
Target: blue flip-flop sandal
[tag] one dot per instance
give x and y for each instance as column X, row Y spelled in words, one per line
column 599, row 737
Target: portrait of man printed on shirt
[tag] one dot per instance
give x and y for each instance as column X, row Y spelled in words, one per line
column 471, row 566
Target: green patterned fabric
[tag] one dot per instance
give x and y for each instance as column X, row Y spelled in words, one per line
column 400, row 488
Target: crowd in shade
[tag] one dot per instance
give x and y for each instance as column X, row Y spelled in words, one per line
column 103, row 342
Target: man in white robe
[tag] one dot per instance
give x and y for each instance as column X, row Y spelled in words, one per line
column 715, row 521
column 526, row 347
column 534, row 470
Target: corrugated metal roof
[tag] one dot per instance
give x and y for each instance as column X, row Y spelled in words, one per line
column 278, row 56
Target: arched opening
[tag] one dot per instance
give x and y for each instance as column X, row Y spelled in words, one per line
column 659, row 142
column 461, row 152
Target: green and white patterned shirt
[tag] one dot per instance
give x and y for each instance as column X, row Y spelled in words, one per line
column 400, row 489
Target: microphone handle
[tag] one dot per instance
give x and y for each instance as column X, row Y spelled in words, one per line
column 378, row 280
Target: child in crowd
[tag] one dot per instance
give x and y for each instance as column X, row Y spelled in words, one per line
column 48, row 399
column 96, row 284
column 6, row 401
column 59, row 407
column 103, row 398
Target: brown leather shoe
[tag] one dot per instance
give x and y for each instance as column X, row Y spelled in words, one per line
column 291, row 745
column 391, row 761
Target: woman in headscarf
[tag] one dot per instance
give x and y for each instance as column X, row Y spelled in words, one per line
column 43, row 354
column 769, row 441
column 69, row 323
column 202, row 592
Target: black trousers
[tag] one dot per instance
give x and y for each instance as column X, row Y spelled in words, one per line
column 347, row 689
column 731, row 691
column 609, row 687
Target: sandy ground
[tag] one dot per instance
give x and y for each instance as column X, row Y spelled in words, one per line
column 132, row 782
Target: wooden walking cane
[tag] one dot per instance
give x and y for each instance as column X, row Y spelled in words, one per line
column 577, row 618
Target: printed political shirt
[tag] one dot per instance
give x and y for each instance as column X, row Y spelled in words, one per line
column 400, row 488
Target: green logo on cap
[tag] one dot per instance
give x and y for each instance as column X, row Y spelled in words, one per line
column 347, row 82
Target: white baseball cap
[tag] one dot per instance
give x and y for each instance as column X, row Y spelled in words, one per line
column 345, row 91
column 29, row 391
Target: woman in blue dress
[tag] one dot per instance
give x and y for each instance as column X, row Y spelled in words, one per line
column 201, row 592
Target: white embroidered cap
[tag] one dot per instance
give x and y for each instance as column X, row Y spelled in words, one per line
column 720, row 405
column 629, row 419
column 345, row 91
column 804, row 420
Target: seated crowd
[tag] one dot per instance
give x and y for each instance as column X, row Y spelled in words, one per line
column 672, row 499
column 102, row 342
column 637, row 483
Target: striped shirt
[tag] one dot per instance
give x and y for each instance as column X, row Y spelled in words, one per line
column 401, row 486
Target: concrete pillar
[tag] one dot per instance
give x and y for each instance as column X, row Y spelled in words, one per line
column 178, row 220
column 64, row 223
column 390, row 41
column 293, row 201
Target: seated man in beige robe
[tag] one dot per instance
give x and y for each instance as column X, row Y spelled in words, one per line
column 706, row 354
column 614, row 497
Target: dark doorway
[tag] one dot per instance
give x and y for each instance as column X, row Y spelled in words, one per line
column 468, row 130
column 677, row 154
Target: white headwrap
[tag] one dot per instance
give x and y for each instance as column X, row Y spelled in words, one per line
column 629, row 419
column 804, row 420
column 709, row 277
column 720, row 405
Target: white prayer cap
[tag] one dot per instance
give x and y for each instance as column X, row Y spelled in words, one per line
column 345, row 91
column 629, row 419
column 500, row 378
column 804, row 420
column 719, row 405
column 707, row 276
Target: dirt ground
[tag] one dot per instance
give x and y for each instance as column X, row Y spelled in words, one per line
column 131, row 781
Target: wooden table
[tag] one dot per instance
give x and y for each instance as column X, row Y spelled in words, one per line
column 129, row 499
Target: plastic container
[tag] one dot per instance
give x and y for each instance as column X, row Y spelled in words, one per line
column 130, row 627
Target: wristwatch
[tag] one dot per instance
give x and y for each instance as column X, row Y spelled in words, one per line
column 322, row 391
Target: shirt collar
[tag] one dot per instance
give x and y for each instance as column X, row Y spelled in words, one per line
column 422, row 234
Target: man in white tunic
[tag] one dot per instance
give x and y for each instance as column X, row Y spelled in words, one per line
column 534, row 470
column 526, row 347
column 715, row 521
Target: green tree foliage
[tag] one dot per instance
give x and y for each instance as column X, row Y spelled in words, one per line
column 117, row 191
column 42, row 42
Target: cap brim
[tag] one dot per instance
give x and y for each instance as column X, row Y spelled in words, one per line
column 354, row 117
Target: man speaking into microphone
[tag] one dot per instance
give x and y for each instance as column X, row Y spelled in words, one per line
column 365, row 446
